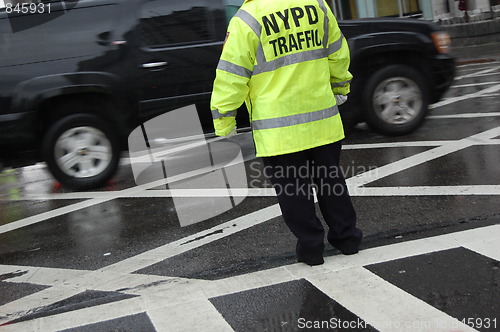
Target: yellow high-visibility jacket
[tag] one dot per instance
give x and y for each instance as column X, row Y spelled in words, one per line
column 286, row 59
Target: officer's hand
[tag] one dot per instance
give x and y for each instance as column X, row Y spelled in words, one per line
column 340, row 99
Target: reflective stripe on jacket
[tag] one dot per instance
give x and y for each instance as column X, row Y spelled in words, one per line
column 286, row 59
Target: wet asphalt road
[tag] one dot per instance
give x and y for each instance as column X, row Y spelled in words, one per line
column 443, row 178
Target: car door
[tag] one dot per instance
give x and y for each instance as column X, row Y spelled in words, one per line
column 179, row 47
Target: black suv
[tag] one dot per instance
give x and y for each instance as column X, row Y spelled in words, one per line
column 77, row 76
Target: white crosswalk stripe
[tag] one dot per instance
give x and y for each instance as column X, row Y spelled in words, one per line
column 183, row 303
column 383, row 305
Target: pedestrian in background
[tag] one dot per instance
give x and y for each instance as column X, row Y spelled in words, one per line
column 288, row 60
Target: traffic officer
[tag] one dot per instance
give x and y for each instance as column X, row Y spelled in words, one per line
column 288, row 60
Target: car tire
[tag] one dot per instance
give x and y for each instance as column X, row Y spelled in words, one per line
column 81, row 151
column 395, row 100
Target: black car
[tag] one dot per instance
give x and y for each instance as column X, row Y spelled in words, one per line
column 400, row 66
column 76, row 77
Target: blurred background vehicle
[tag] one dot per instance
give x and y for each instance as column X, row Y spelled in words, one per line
column 72, row 89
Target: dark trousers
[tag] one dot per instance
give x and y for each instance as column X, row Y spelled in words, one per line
column 293, row 176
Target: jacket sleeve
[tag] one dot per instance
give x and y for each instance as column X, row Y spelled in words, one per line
column 233, row 72
column 338, row 58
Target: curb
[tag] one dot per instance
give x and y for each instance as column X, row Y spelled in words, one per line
column 472, row 61
column 474, row 33
column 481, row 53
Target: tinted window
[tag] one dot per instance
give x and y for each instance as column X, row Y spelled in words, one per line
column 60, row 34
column 181, row 22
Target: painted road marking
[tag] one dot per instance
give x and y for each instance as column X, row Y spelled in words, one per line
column 470, row 66
column 181, row 296
column 452, row 100
column 465, row 116
column 432, row 144
column 202, row 316
column 383, row 305
column 420, row 158
column 355, row 181
column 270, row 192
column 251, row 192
column 95, row 201
column 66, row 283
column 194, row 241
column 475, row 190
column 474, row 84
column 489, row 71
column 485, row 247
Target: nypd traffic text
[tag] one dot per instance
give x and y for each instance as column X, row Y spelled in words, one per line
column 297, row 16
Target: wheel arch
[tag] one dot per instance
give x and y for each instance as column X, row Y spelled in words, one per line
column 47, row 94
column 365, row 66
column 105, row 106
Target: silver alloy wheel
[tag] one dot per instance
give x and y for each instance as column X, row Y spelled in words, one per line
column 83, row 152
column 397, row 100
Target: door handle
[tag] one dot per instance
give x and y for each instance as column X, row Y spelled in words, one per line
column 152, row 65
column 103, row 38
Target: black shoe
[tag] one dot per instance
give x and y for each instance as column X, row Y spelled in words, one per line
column 348, row 251
column 310, row 256
column 350, row 245
column 311, row 261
